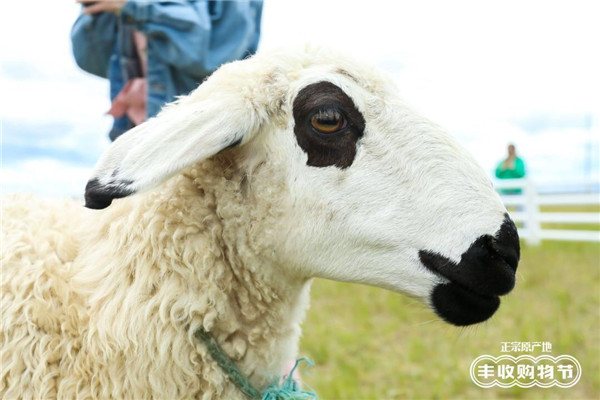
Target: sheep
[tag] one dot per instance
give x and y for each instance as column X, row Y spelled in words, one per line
column 216, row 215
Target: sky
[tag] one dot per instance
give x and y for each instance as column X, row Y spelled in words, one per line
column 490, row 72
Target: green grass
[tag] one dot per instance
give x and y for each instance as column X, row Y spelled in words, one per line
column 368, row 343
column 571, row 208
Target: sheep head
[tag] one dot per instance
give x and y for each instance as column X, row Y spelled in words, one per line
column 375, row 193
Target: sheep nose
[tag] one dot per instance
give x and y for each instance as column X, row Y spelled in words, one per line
column 485, row 271
column 506, row 243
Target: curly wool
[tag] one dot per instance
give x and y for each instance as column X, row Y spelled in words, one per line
column 105, row 304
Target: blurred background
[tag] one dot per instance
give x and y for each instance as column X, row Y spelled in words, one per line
column 491, row 73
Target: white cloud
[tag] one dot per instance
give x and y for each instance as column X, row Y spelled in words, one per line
column 49, row 100
column 49, row 177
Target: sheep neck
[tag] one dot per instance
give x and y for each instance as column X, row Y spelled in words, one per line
column 267, row 303
column 191, row 254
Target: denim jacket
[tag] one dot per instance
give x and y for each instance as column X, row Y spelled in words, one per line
column 187, row 40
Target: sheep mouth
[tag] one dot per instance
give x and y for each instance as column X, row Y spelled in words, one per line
column 471, row 288
column 460, row 306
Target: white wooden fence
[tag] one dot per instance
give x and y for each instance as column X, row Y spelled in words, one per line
column 524, row 208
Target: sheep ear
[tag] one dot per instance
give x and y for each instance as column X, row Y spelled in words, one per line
column 181, row 135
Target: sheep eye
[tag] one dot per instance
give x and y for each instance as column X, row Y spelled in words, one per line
column 328, row 121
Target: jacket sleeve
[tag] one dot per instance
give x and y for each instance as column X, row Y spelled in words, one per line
column 195, row 36
column 499, row 171
column 93, row 38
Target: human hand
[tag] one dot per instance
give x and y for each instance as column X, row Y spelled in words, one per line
column 98, row 6
column 509, row 163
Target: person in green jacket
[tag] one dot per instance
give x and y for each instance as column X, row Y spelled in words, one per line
column 512, row 167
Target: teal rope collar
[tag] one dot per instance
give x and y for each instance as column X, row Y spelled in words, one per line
column 288, row 390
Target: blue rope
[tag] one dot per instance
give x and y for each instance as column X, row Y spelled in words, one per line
column 287, row 390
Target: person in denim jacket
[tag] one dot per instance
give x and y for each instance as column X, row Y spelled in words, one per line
column 153, row 51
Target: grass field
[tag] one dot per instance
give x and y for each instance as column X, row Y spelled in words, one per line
column 368, row 343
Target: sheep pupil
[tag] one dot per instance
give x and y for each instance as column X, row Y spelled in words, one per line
column 327, row 121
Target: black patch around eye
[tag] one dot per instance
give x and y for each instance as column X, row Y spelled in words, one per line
column 324, row 150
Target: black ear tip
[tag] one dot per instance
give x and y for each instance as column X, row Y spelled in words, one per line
column 98, row 196
column 95, row 197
